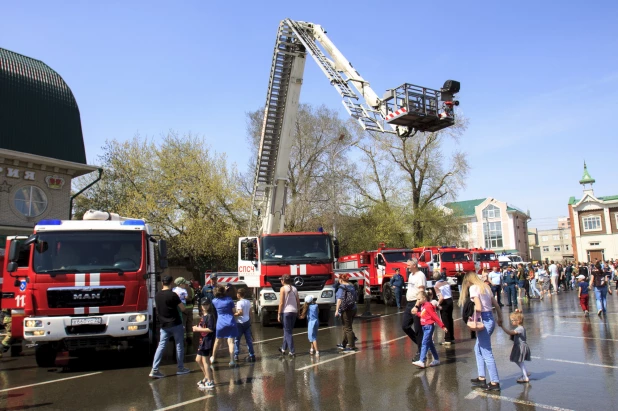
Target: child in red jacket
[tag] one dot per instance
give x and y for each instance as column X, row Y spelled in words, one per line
column 429, row 317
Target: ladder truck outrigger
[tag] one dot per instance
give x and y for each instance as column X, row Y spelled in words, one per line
column 309, row 257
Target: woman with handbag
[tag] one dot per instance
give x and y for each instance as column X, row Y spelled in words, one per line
column 482, row 322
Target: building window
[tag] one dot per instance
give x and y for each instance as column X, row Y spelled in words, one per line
column 464, row 229
column 546, row 249
column 616, row 218
column 556, row 248
column 596, row 243
column 565, row 236
column 544, row 238
column 556, row 237
column 493, row 234
column 592, row 223
column 566, row 247
column 31, row 201
column 491, row 211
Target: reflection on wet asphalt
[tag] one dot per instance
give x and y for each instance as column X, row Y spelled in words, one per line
column 574, row 367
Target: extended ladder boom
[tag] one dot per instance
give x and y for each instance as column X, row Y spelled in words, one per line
column 402, row 110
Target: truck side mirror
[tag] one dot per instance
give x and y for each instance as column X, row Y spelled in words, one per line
column 163, row 254
column 14, row 249
column 11, row 267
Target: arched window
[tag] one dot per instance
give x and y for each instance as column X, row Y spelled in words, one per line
column 491, row 211
column 31, row 201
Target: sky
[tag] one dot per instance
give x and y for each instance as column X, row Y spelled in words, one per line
column 539, row 79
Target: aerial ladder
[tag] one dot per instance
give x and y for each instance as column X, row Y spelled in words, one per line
column 309, row 257
column 403, row 110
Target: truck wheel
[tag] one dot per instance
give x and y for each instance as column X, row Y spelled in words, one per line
column 45, row 355
column 264, row 317
column 324, row 315
column 388, row 295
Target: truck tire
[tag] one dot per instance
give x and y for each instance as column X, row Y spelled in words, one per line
column 45, row 355
column 16, row 348
column 324, row 315
column 264, row 317
column 388, row 295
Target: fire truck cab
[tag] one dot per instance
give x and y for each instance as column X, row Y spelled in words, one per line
column 454, row 261
column 380, row 264
column 484, row 259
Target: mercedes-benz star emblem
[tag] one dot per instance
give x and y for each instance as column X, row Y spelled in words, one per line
column 298, row 281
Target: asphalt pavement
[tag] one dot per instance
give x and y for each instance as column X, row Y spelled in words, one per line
column 574, row 367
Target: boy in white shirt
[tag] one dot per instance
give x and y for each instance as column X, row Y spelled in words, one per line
column 243, row 309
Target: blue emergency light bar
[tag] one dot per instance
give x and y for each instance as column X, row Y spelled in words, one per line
column 133, row 222
column 49, row 222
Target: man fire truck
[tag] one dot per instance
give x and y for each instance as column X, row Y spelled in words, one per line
column 452, row 260
column 82, row 284
column 309, row 257
column 381, row 265
column 484, row 259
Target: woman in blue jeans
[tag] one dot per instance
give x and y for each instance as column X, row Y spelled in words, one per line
column 480, row 293
column 600, row 280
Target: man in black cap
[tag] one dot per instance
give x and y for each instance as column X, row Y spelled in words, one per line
column 168, row 305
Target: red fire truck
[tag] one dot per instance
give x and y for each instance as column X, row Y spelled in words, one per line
column 83, row 284
column 455, row 261
column 486, row 259
column 380, row 264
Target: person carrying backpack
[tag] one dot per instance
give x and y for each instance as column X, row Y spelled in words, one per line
column 346, row 308
column 397, row 284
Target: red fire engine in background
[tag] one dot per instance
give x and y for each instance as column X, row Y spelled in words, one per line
column 486, row 259
column 380, row 264
column 455, row 261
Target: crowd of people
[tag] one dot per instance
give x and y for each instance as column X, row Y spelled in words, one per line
column 481, row 299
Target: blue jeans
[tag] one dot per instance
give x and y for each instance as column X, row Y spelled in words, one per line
column 244, row 329
column 533, row 289
column 482, row 349
column 288, row 327
column 511, row 292
column 177, row 333
column 428, row 343
column 497, row 290
column 398, row 296
column 600, row 294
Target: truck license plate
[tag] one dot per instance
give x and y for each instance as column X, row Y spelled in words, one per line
column 87, row 321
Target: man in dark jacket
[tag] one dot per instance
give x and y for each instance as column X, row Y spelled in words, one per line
column 397, row 284
column 510, row 283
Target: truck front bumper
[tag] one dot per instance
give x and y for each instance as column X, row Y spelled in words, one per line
column 325, row 297
column 105, row 325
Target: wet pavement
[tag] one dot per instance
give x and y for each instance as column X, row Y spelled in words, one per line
column 574, row 367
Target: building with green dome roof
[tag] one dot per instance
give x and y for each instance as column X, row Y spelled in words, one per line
column 41, row 144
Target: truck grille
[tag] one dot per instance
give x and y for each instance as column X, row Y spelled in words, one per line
column 86, row 329
column 70, row 297
column 310, row 282
column 92, row 342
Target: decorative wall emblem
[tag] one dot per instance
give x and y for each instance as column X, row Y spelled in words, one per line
column 54, row 182
column 5, row 187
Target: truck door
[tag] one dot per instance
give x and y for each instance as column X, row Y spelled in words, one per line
column 380, row 268
column 249, row 261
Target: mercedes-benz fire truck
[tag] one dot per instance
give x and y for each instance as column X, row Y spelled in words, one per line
column 87, row 283
column 454, row 261
column 484, row 259
column 310, row 257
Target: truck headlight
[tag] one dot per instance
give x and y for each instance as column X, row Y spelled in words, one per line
column 327, row 294
column 137, row 318
column 33, row 323
column 270, row 296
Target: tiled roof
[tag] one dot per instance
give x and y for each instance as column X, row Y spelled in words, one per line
column 465, row 207
column 573, row 200
column 38, row 112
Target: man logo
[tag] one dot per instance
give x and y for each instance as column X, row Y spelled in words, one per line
column 87, row 296
column 298, row 281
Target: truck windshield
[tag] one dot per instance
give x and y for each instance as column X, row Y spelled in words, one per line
column 486, row 257
column 87, row 251
column 296, row 248
column 515, row 259
column 397, row 256
column 454, row 256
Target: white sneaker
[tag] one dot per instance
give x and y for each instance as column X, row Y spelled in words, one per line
column 317, row 353
column 212, row 359
column 434, row 363
column 419, row 364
